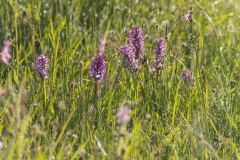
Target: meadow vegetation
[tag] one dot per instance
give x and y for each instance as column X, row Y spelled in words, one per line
column 189, row 108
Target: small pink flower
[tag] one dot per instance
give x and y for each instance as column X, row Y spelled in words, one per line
column 1, row 144
column 123, row 115
column 5, row 52
column 188, row 16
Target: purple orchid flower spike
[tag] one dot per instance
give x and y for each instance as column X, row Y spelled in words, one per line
column 129, row 58
column 97, row 68
column 42, row 66
column 136, row 41
column 134, row 52
column 186, row 75
column 160, row 53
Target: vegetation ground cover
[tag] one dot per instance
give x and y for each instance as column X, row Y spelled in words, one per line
column 64, row 116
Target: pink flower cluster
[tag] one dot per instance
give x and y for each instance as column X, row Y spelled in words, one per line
column 5, row 52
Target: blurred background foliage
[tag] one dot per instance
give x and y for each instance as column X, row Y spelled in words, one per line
column 175, row 121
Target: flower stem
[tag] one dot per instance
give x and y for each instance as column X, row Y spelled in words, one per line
column 96, row 106
column 43, row 86
column 97, row 91
column 142, row 88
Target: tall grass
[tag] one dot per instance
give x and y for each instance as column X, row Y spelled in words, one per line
column 170, row 119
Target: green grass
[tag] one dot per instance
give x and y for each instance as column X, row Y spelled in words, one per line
column 55, row 118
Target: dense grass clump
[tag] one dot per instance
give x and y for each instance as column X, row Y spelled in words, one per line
column 123, row 79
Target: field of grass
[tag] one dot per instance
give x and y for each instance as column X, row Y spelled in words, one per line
column 64, row 116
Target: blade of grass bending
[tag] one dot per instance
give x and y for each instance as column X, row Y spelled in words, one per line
column 206, row 97
column 79, row 151
column 176, row 101
column 63, row 129
column 232, row 122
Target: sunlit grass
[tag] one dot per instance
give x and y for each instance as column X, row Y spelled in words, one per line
column 59, row 118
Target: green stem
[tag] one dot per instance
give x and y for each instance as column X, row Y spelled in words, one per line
column 97, row 91
column 96, row 107
column 43, row 85
column 156, row 80
column 142, row 88
column 156, row 92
